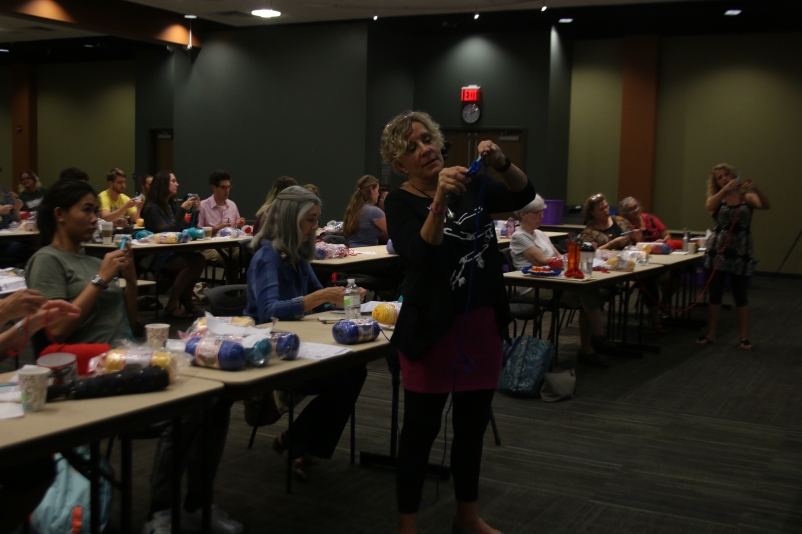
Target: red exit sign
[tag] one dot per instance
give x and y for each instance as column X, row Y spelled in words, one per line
column 472, row 93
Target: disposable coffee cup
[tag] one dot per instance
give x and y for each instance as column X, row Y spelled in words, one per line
column 106, row 231
column 63, row 367
column 207, row 231
column 157, row 334
column 33, row 385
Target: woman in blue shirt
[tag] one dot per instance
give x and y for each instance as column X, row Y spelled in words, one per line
column 281, row 284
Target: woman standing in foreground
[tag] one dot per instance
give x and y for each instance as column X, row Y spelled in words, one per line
column 731, row 202
column 447, row 256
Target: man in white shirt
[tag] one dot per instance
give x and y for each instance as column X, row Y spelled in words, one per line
column 219, row 212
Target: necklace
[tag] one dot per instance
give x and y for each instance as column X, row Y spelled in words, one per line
column 419, row 189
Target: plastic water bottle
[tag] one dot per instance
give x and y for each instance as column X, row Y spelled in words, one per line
column 685, row 240
column 510, row 227
column 352, row 301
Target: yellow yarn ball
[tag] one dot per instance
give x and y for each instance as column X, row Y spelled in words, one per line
column 385, row 313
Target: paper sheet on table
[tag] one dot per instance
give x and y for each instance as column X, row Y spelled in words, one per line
column 368, row 307
column 320, row 351
column 10, row 402
column 680, row 252
column 11, row 410
column 357, row 251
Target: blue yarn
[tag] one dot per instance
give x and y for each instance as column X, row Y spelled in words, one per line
column 216, row 353
column 286, row 345
column 355, row 331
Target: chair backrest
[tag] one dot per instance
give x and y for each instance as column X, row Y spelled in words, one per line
column 507, row 254
column 229, row 300
column 335, row 239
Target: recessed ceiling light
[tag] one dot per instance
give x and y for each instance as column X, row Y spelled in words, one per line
column 266, row 13
column 190, row 16
column 375, row 17
column 566, row 21
column 3, row 49
column 544, row 8
column 475, row 16
column 732, row 12
column 89, row 46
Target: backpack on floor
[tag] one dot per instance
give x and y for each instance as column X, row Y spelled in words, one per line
column 65, row 508
column 525, row 363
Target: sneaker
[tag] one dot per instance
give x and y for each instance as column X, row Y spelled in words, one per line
column 162, row 523
column 592, row 359
column 603, row 345
column 220, row 521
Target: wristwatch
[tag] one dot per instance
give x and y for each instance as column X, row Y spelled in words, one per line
column 99, row 282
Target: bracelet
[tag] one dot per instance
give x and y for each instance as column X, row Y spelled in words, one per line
column 431, row 208
column 507, row 165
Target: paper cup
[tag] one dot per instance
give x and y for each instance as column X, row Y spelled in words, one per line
column 33, row 384
column 63, row 367
column 157, row 334
column 207, row 230
column 106, row 231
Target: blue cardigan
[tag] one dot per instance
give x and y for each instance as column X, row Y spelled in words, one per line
column 276, row 289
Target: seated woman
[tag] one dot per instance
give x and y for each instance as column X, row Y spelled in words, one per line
column 530, row 246
column 364, row 223
column 162, row 215
column 647, row 228
column 22, row 486
column 60, row 270
column 281, row 284
column 31, row 191
column 602, row 230
column 281, row 183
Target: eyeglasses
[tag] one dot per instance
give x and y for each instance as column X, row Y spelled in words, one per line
column 536, row 213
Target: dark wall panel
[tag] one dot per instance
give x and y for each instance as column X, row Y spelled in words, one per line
column 513, row 71
column 276, row 101
column 391, row 89
column 154, row 101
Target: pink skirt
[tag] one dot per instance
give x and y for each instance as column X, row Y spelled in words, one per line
column 441, row 369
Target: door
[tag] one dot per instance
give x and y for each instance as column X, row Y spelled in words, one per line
column 162, row 149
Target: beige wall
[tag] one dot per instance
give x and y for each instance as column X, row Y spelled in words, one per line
column 734, row 99
column 86, row 119
column 594, row 141
column 5, row 125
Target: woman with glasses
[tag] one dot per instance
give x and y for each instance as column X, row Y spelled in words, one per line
column 602, row 230
column 731, row 202
column 440, row 225
column 31, row 191
column 530, row 246
column 647, row 228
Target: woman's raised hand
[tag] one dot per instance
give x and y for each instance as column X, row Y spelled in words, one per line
column 57, row 310
column 452, row 180
column 21, row 303
column 113, row 263
column 492, row 154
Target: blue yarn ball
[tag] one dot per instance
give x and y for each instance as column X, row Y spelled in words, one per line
column 216, row 353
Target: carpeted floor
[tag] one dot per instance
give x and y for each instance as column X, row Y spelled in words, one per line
column 695, row 439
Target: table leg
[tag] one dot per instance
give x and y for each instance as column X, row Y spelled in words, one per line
column 206, row 506
column 126, row 492
column 94, row 484
column 288, row 439
column 554, row 330
column 176, row 475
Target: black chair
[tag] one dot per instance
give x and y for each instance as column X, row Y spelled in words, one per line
column 522, row 309
column 335, row 239
column 228, row 300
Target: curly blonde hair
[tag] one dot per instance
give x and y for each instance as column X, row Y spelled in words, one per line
column 712, row 186
column 396, row 132
column 358, row 200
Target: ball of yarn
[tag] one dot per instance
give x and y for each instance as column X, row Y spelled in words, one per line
column 196, row 233
column 355, row 331
column 286, row 345
column 385, row 313
column 217, row 353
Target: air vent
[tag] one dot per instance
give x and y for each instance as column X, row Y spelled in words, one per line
column 39, row 29
column 234, row 14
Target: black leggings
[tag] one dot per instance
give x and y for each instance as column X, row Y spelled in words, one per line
column 737, row 282
column 422, row 413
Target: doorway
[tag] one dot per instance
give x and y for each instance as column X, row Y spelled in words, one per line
column 464, row 143
column 161, row 142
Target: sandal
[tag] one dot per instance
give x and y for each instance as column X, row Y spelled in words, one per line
column 704, row 340
column 176, row 313
column 744, row 344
